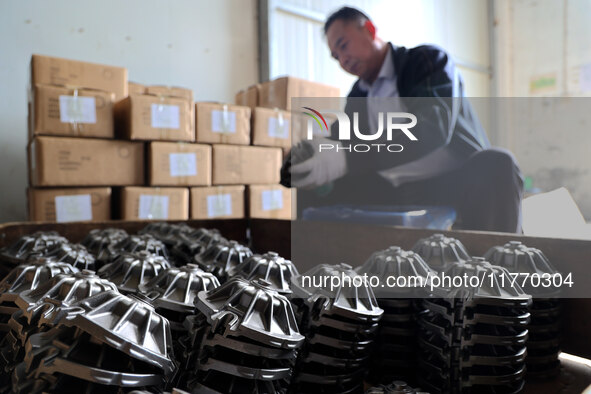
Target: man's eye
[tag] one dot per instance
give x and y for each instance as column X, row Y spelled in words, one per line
column 343, row 45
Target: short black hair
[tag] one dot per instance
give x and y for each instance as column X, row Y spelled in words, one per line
column 345, row 14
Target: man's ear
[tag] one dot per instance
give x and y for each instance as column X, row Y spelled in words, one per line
column 370, row 28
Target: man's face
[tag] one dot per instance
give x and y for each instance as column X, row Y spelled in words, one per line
column 352, row 45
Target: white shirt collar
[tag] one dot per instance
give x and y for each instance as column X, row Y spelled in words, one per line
column 386, row 71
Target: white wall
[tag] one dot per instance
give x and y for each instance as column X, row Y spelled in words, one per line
column 546, row 41
column 208, row 46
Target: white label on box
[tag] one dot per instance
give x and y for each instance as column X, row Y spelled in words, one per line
column 153, row 207
column 272, row 200
column 73, row 208
column 219, row 205
column 278, row 128
column 166, row 116
column 183, row 164
column 76, row 109
column 223, row 121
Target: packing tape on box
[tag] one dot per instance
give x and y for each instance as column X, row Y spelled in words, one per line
column 74, row 106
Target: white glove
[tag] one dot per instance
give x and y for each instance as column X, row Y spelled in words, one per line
column 322, row 168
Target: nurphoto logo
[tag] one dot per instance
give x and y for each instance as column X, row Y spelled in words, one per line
column 390, row 119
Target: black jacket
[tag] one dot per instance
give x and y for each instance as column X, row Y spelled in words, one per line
column 426, row 80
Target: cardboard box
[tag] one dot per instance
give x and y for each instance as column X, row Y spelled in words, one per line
column 170, row 91
column 135, row 88
column 270, row 202
column 154, row 203
column 222, row 124
column 248, row 97
column 217, row 202
column 62, row 111
column 243, row 165
column 279, row 92
column 179, row 164
column 148, row 117
column 70, row 205
column 61, row 161
column 65, row 72
column 271, row 127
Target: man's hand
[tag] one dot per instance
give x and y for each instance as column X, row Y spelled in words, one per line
column 322, row 168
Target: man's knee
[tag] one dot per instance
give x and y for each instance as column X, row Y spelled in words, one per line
column 494, row 161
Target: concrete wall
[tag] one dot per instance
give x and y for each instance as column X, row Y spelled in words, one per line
column 208, row 46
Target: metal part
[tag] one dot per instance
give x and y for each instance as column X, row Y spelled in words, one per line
column 28, row 246
column 131, row 270
column 253, row 310
column 439, row 251
column 101, row 243
column 270, row 267
column 142, row 243
column 243, row 341
column 166, row 232
column 221, row 258
column 475, row 337
column 393, row 344
column 193, row 243
column 543, row 346
column 340, row 323
column 347, row 300
column 126, row 324
column 75, row 255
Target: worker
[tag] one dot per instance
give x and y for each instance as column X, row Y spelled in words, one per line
column 450, row 163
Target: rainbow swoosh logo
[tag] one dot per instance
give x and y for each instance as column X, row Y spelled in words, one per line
column 315, row 116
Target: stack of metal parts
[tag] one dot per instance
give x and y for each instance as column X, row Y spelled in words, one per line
column 440, row 251
column 26, row 277
column 36, row 304
column 192, row 243
column 396, row 387
column 131, row 270
column 173, row 293
column 101, row 243
column 243, row 340
column 543, row 344
column 102, row 344
column 221, row 258
column 395, row 351
column 472, row 339
column 26, row 247
column 270, row 267
column 340, row 323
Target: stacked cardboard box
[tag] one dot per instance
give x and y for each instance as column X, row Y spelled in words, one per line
column 163, row 117
column 272, row 123
column 73, row 159
column 91, row 130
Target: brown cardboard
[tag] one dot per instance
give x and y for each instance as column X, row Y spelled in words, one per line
column 43, row 203
column 145, row 203
column 279, row 92
column 61, row 161
column 135, row 116
column 269, row 202
column 243, row 165
column 208, row 120
column 271, row 127
column 66, row 72
column 135, row 88
column 248, row 97
column 179, row 164
column 219, row 202
column 50, row 115
column 170, row 91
